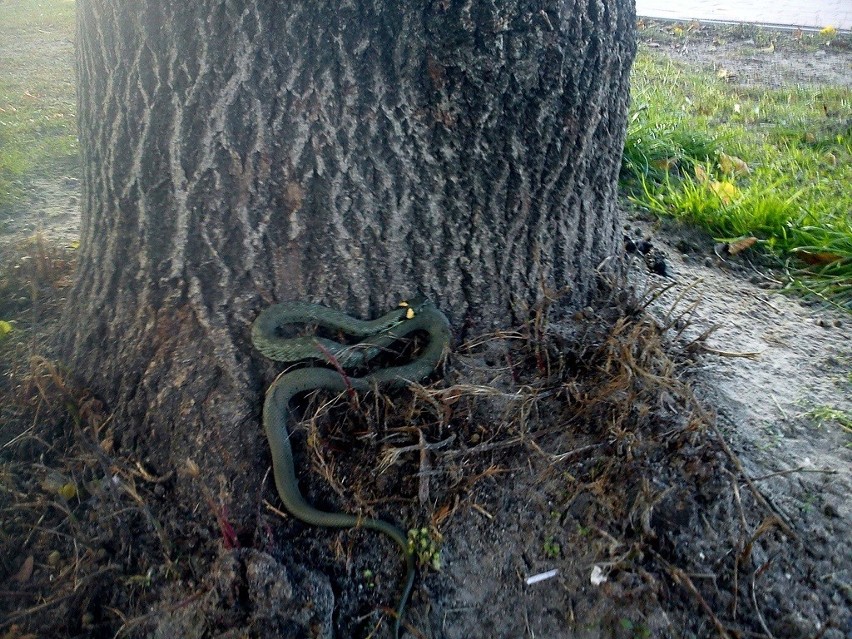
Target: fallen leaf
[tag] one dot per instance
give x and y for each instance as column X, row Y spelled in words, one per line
column 816, row 258
column 738, row 246
column 26, row 571
column 725, row 74
column 108, row 442
column 724, row 190
column 769, row 49
column 15, row 631
column 732, row 165
column 68, row 491
column 5, row 328
column 664, row 164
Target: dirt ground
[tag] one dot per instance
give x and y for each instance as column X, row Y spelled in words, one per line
column 668, row 468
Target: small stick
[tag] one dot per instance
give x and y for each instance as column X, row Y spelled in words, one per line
column 756, row 608
column 716, row 351
column 800, row 469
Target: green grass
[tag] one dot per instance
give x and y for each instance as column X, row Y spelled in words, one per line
column 37, row 97
column 796, row 143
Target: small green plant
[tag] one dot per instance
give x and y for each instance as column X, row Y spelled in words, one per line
column 425, row 546
column 551, row 548
column 369, row 578
column 825, row 414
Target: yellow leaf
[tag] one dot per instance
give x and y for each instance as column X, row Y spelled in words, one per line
column 700, row 174
column 5, row 328
column 732, row 165
column 828, row 31
column 724, row 190
column 67, row 491
column 725, row 74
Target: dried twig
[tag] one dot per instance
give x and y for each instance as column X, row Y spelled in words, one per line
column 800, row 469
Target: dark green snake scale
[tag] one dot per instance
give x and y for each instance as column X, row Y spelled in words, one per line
column 418, row 315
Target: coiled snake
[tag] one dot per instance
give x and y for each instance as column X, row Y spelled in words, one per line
column 418, row 315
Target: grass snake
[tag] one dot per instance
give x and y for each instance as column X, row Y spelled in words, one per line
column 419, row 315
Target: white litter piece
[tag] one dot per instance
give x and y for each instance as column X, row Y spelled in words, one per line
column 598, row 576
column 542, row 576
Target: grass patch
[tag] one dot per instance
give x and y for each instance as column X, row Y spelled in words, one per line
column 38, row 135
column 827, row 415
column 769, row 163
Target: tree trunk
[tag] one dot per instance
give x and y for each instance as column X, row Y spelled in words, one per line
column 238, row 154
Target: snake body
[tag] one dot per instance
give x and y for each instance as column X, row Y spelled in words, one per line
column 419, row 315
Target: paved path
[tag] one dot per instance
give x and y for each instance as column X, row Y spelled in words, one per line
column 798, row 13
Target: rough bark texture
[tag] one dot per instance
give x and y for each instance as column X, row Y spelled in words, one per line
column 238, row 154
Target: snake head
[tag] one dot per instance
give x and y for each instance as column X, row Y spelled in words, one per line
column 415, row 305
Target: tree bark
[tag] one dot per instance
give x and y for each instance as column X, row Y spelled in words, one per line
column 238, row 154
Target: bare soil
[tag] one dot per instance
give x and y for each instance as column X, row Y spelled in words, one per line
column 665, row 457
